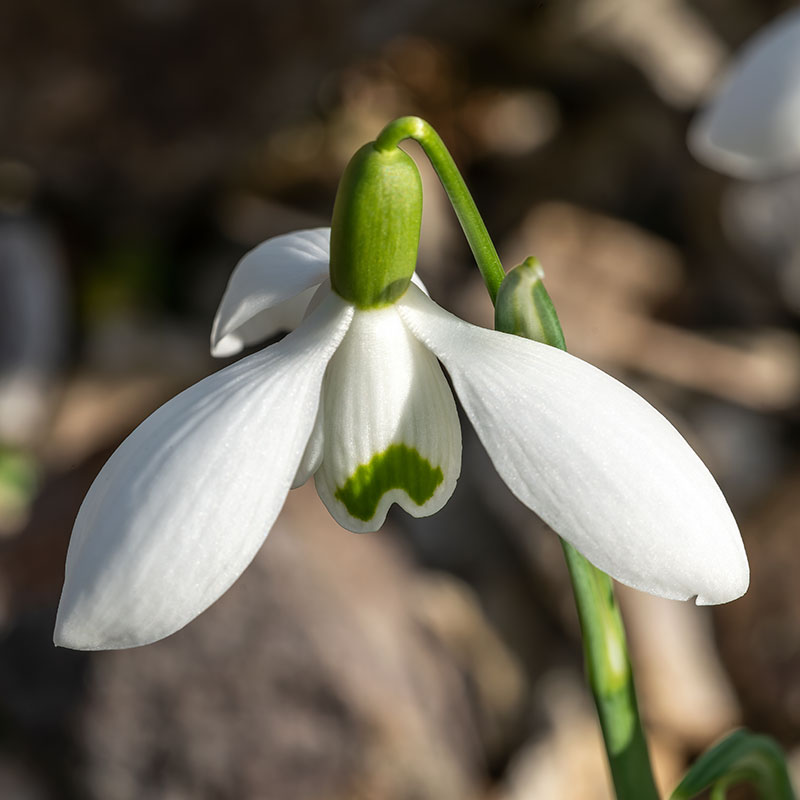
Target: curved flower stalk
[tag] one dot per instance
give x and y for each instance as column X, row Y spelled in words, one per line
column 357, row 398
column 751, row 128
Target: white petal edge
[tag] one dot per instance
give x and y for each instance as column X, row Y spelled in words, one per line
column 417, row 281
column 750, row 128
column 185, row 502
column 269, row 289
column 383, row 388
column 599, row 464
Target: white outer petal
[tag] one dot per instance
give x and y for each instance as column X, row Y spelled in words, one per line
column 751, row 129
column 269, row 289
column 384, row 388
column 182, row 506
column 599, row 464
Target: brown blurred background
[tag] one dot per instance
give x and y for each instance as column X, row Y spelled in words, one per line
column 144, row 146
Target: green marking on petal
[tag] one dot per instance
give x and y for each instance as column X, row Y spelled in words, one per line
column 397, row 467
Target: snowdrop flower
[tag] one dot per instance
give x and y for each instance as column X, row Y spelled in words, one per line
column 356, row 397
column 751, row 129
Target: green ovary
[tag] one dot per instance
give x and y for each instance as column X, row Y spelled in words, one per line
column 397, row 467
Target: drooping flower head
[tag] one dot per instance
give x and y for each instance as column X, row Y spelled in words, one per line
column 356, row 397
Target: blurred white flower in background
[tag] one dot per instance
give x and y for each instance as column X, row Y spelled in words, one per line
column 751, row 128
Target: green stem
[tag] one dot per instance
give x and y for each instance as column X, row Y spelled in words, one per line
column 463, row 204
column 610, row 677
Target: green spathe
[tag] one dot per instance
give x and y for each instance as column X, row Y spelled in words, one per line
column 524, row 307
column 375, row 227
column 397, row 467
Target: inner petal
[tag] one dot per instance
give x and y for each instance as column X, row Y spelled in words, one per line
column 391, row 428
column 397, row 467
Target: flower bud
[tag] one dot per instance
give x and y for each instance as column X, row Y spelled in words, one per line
column 375, row 227
column 524, row 307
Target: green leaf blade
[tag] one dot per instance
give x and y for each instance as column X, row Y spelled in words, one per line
column 738, row 758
